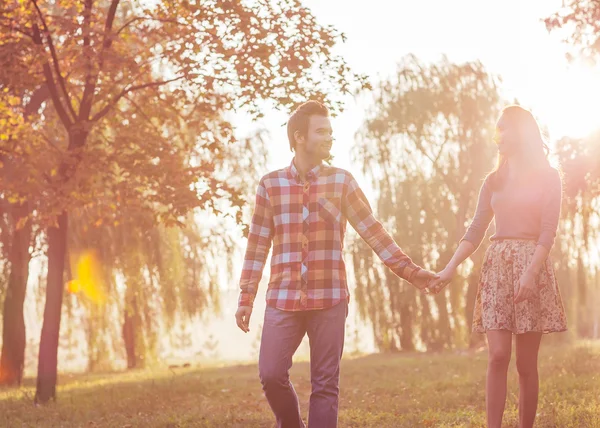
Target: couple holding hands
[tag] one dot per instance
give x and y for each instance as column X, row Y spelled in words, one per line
column 301, row 212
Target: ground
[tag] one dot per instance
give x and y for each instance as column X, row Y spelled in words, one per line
column 386, row 390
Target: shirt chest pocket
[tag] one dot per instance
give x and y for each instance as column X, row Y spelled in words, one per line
column 330, row 209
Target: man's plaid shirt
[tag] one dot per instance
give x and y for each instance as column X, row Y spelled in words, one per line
column 306, row 223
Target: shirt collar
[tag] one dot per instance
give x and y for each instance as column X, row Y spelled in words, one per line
column 310, row 175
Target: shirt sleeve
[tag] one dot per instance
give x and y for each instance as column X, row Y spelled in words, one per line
column 483, row 216
column 360, row 215
column 550, row 210
column 257, row 249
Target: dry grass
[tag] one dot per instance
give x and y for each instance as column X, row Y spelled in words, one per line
column 400, row 390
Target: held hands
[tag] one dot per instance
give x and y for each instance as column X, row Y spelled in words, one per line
column 423, row 278
column 242, row 318
column 444, row 278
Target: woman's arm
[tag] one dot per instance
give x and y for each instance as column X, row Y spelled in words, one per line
column 471, row 240
column 549, row 225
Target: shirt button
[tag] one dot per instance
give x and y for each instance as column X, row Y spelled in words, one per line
column 304, row 242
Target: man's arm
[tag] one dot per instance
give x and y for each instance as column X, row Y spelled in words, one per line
column 360, row 215
column 257, row 250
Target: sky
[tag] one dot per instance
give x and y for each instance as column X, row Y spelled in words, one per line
column 508, row 37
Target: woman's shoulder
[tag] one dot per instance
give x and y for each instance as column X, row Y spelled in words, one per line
column 550, row 178
column 490, row 180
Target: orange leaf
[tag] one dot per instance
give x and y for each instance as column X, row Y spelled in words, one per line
column 22, row 222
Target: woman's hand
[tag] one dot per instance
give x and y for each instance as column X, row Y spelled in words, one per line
column 445, row 277
column 423, row 278
column 527, row 287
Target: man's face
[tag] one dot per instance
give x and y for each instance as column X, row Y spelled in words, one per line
column 318, row 140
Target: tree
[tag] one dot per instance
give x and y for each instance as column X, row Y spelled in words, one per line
column 580, row 21
column 21, row 97
column 579, row 234
column 426, row 146
column 15, row 211
column 197, row 60
column 167, row 271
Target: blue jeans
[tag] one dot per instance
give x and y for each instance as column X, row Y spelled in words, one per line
column 281, row 335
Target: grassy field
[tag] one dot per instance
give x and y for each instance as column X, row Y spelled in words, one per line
column 399, row 390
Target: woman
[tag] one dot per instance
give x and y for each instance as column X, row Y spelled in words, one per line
column 518, row 293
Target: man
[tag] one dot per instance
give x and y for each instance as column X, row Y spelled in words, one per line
column 303, row 210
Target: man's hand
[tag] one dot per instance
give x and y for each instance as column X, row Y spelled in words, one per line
column 445, row 278
column 527, row 287
column 423, row 278
column 242, row 318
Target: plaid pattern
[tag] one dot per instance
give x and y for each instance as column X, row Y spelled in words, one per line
column 306, row 223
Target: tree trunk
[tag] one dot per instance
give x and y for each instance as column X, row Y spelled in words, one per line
column 427, row 323
column 129, row 339
column 12, row 360
column 47, row 363
column 407, row 310
column 132, row 333
column 407, row 342
column 443, row 324
column 583, row 318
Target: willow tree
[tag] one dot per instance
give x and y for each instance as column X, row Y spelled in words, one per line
column 578, row 22
column 168, row 273
column 426, row 145
column 579, row 233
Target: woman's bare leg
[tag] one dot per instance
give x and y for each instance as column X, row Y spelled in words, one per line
column 499, row 351
column 528, row 345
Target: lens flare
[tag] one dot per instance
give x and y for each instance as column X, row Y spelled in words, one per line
column 87, row 282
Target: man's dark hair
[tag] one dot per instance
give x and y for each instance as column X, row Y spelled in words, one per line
column 300, row 118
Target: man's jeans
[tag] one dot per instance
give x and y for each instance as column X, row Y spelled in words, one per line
column 281, row 335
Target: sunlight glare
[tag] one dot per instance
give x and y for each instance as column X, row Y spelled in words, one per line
column 87, row 281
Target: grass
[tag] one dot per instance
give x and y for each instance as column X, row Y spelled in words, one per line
column 398, row 390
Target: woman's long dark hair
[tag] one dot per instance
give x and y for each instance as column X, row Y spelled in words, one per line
column 527, row 130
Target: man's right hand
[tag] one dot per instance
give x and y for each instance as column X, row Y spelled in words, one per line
column 423, row 278
column 445, row 278
column 242, row 318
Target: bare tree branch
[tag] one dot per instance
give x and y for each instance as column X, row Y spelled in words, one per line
column 126, row 91
column 437, row 158
column 110, row 19
column 59, row 77
column 144, row 115
column 51, row 144
column 87, row 18
column 149, row 18
column 58, row 105
column 434, row 163
column 38, row 97
column 92, row 77
column 12, row 27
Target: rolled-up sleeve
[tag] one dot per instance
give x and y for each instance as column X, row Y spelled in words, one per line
column 257, row 250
